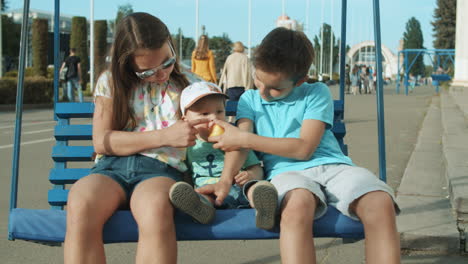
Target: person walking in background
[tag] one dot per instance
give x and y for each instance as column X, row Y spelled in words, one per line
column 236, row 76
column 72, row 68
column 354, row 77
column 203, row 63
column 347, row 78
column 364, row 79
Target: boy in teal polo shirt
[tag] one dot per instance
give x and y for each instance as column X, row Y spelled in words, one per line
column 289, row 122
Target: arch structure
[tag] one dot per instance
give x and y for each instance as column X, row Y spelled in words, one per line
column 363, row 53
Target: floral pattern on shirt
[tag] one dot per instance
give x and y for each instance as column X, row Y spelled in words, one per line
column 155, row 107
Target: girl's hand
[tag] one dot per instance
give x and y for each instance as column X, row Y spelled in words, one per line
column 230, row 140
column 182, row 134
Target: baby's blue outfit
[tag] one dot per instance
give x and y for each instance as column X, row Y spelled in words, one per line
column 207, row 163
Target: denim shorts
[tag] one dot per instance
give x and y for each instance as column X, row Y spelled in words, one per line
column 130, row 170
column 236, row 199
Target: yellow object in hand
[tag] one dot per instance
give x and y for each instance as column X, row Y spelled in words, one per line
column 216, row 130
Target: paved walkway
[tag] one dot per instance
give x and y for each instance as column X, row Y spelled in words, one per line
column 413, row 138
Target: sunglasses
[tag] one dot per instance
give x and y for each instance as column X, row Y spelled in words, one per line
column 168, row 63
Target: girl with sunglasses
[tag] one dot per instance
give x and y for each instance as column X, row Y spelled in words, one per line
column 140, row 141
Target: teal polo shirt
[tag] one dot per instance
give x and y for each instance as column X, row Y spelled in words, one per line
column 283, row 119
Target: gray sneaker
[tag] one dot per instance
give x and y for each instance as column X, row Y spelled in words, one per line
column 265, row 199
column 184, row 198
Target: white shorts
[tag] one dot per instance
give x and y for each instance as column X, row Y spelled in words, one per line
column 337, row 185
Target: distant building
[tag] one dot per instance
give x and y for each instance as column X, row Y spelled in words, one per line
column 286, row 22
column 65, row 20
column 364, row 54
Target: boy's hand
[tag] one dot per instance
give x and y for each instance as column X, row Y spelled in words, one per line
column 230, row 140
column 220, row 190
column 182, row 133
column 243, row 177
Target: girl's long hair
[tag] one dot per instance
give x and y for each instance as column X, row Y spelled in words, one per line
column 201, row 52
column 135, row 31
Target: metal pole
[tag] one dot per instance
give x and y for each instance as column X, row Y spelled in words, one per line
column 180, row 44
column 250, row 30
column 343, row 50
column 398, row 73
column 321, row 38
column 380, row 99
column 331, row 40
column 56, row 52
column 91, row 43
column 405, row 59
column 1, row 41
column 196, row 22
column 307, row 27
column 282, row 8
column 19, row 106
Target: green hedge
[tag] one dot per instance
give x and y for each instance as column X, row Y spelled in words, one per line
column 37, row 90
column 29, row 72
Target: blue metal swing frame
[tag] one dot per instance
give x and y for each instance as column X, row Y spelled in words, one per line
column 438, row 57
column 48, row 225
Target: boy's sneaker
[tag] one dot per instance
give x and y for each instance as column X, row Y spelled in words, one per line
column 184, row 198
column 265, row 200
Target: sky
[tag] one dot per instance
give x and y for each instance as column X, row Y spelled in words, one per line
column 231, row 16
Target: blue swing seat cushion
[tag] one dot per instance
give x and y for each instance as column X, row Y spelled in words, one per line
column 49, row 226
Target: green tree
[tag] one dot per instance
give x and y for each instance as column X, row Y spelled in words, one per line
column 39, row 46
column 444, row 24
column 413, row 39
column 79, row 41
column 10, row 42
column 122, row 11
column 100, row 46
column 327, row 30
column 221, row 46
column 4, row 5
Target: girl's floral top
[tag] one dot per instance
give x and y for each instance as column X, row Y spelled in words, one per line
column 155, row 107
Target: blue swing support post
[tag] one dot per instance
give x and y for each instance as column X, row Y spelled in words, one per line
column 49, row 225
column 438, row 58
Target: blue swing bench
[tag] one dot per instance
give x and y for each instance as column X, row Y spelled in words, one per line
column 48, row 225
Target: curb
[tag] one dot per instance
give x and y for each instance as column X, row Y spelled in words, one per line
column 426, row 221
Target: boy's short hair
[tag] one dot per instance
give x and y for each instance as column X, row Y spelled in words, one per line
column 285, row 51
column 196, row 91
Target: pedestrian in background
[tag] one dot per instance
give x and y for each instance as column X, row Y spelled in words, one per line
column 203, row 63
column 236, row 76
column 71, row 67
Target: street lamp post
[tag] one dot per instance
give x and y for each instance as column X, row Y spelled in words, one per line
column 250, row 30
column 91, row 43
column 1, row 49
column 180, row 44
column 196, row 22
column 331, row 40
